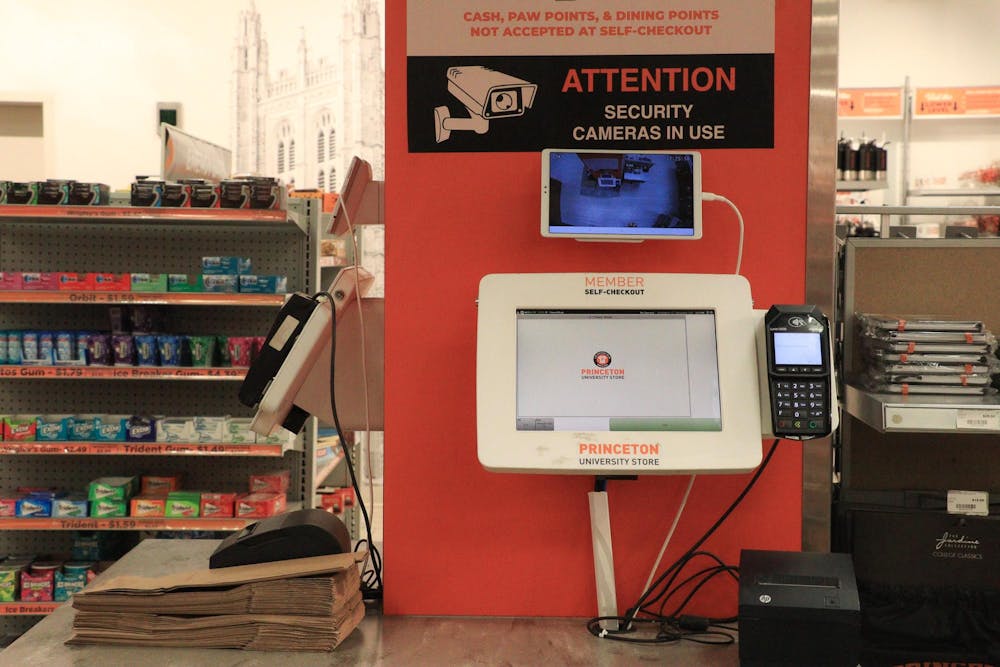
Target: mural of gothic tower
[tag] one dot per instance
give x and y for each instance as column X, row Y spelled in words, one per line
column 305, row 124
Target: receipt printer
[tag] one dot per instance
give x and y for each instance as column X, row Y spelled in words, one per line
column 798, row 608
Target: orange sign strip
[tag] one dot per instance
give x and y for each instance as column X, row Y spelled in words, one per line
column 123, row 523
column 146, row 298
column 27, row 608
column 122, row 373
column 970, row 101
column 142, row 213
column 870, row 103
column 140, row 448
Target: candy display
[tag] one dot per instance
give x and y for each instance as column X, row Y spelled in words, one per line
column 136, row 428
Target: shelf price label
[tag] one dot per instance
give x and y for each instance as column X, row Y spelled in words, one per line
column 977, row 420
column 974, row 503
column 870, row 103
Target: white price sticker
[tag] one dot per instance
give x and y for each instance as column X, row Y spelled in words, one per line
column 979, row 420
column 976, row 503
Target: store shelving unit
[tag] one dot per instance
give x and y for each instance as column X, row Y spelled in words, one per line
column 119, row 239
column 893, row 442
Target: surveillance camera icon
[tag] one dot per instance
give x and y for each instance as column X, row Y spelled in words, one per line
column 487, row 94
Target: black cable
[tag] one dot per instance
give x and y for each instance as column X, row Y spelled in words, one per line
column 376, row 558
column 666, row 580
column 710, row 531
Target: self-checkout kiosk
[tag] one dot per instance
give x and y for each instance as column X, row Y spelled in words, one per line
column 599, row 373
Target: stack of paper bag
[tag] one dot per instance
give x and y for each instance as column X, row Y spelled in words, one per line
column 305, row 604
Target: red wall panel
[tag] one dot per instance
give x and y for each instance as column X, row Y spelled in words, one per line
column 461, row 540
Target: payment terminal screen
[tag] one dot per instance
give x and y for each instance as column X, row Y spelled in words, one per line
column 617, row 370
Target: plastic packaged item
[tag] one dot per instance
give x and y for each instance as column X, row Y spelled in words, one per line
column 216, row 504
column 53, row 428
column 238, row 430
column 99, row 349
column 109, row 508
column 202, row 349
column 219, row 283
column 140, row 429
column 111, row 428
column 14, row 350
column 83, row 427
column 65, row 347
column 43, row 281
column 29, row 347
column 270, row 482
column 148, row 505
column 46, row 346
column 73, row 506
column 146, row 350
column 149, row 282
column 876, row 322
column 174, row 429
column 10, row 280
column 233, row 266
column 159, row 485
column 123, row 346
column 253, row 284
column 209, row 429
column 113, row 488
column 183, row 504
column 169, row 346
column 20, row 428
column 259, row 505
column 240, row 350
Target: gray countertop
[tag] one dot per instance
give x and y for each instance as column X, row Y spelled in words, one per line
column 379, row 640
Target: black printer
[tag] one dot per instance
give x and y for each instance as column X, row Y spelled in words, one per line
column 798, row 609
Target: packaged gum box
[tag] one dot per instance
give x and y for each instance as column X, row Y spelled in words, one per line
column 70, row 507
column 174, row 429
column 46, row 281
column 32, row 506
column 233, row 266
column 10, row 580
column 37, row 587
column 52, row 428
column 259, row 505
column 75, row 281
column 238, row 430
column 20, row 428
column 219, row 283
column 8, row 503
column 108, row 508
column 83, row 427
column 112, row 282
column 159, row 485
column 148, row 505
column 140, row 429
column 182, row 282
column 112, row 488
column 252, row 284
column 111, row 428
column 183, row 504
column 218, row 504
column 270, row 482
column 67, row 584
column 10, row 280
column 149, row 282
column 209, row 429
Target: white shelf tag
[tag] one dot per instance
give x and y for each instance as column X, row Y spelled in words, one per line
column 979, row 420
column 976, row 503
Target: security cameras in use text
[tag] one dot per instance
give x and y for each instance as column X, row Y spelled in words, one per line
column 487, row 94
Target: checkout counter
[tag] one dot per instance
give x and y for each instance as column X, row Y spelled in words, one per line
column 379, row 640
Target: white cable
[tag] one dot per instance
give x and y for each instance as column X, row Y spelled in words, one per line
column 711, row 196
column 670, row 534
column 364, row 368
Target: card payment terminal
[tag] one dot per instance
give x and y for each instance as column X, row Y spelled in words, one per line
column 797, row 340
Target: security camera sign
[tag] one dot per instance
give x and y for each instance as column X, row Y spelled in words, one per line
column 525, row 75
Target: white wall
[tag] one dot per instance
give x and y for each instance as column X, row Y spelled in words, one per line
column 104, row 64
column 936, row 43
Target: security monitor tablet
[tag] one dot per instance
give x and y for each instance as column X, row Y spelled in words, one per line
column 621, row 195
column 617, row 373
